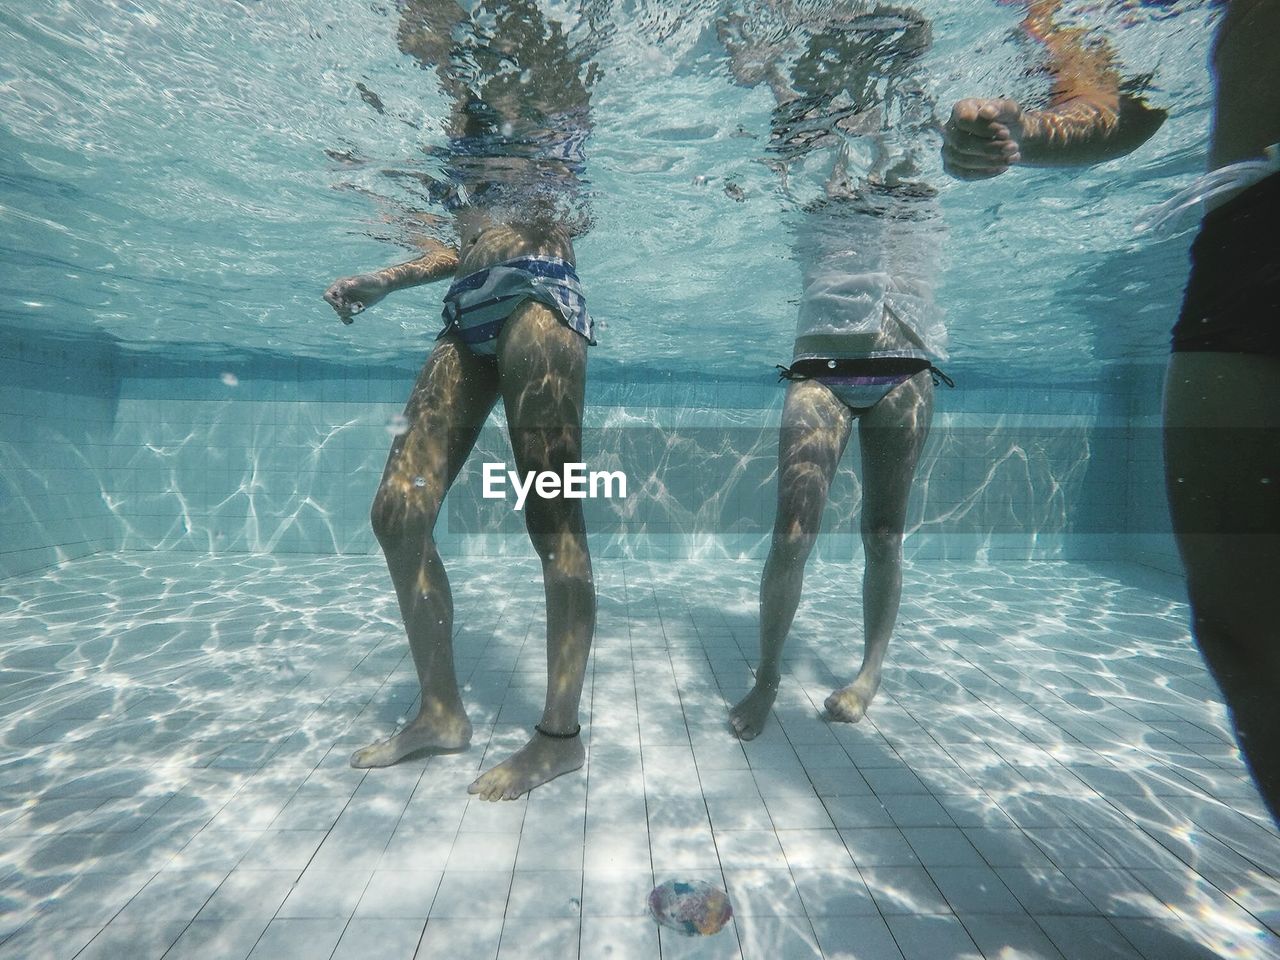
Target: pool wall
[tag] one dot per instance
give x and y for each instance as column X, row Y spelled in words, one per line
column 105, row 448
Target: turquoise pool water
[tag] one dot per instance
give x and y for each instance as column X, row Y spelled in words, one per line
column 171, row 177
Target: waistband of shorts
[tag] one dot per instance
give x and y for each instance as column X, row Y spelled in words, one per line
column 865, row 368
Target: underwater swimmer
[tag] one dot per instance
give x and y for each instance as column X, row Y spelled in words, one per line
column 1222, row 389
column 1222, row 396
column 866, row 240
column 868, row 330
column 516, row 328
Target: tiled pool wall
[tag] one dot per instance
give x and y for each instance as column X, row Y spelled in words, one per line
column 58, row 411
column 104, row 449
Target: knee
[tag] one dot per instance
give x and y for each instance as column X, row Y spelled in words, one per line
column 882, row 544
column 566, row 563
column 792, row 544
column 398, row 517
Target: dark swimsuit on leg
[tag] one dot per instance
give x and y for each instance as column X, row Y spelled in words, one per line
column 1232, row 302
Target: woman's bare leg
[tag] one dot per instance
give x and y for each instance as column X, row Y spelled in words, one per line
column 446, row 410
column 543, row 368
column 1222, row 463
column 815, row 430
column 892, row 434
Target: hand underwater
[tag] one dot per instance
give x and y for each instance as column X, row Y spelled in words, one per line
column 981, row 138
column 352, row 295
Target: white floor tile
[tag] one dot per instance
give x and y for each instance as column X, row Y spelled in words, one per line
column 932, row 938
column 855, row 938
column 722, row 945
column 484, row 851
column 814, row 849
column 539, row 939
column 778, row 938
column 763, row 893
column 611, row 893
column 975, row 890
column 620, row 937
column 834, row 893
column 217, row 939
column 472, row 895
column 249, row 895
column 1087, row 938
column 879, row 847
column 904, row 890
column 1009, row 937
column 325, row 894
column 460, row 939
column 742, row 849
column 545, row 893
column 399, row 895
column 384, row 939
column 616, row 850
column 298, row 939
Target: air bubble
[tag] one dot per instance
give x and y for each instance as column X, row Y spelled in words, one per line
column 508, row 129
column 398, row 425
column 230, row 379
column 831, row 364
column 419, row 481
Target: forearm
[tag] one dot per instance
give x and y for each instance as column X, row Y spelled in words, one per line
column 1086, row 129
column 1080, row 130
column 435, row 264
column 1087, row 120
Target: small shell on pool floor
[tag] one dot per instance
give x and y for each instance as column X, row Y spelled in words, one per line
column 692, row 907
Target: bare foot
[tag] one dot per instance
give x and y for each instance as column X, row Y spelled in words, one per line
column 437, row 734
column 751, row 713
column 541, row 759
column 849, row 704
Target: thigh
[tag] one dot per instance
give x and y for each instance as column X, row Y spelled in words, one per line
column 542, row 366
column 891, row 436
column 815, row 431
column 450, row 400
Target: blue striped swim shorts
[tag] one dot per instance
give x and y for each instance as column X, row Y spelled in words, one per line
column 478, row 304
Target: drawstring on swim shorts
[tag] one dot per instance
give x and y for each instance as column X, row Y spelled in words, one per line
column 937, row 375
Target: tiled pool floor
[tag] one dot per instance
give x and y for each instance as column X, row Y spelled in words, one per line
column 1046, row 773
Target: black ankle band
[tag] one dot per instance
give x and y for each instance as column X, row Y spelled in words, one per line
column 558, row 736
